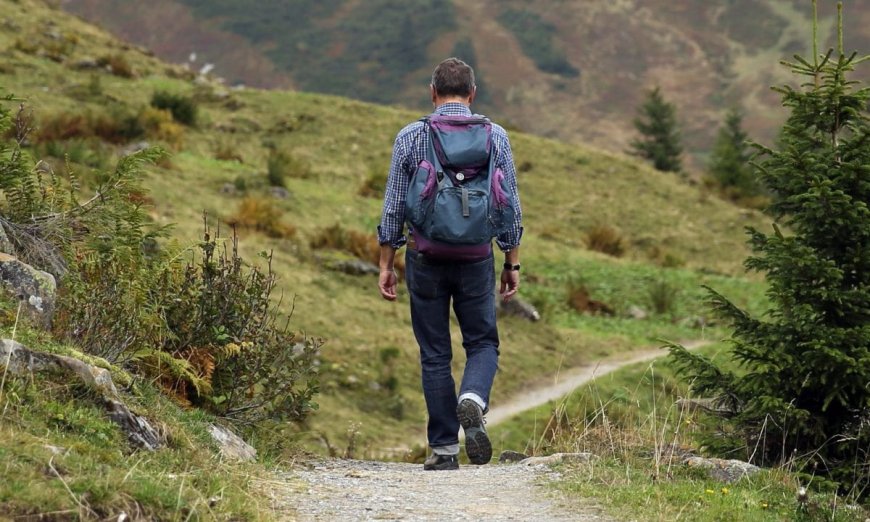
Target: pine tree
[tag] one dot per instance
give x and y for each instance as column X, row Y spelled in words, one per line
column 660, row 135
column 803, row 391
column 729, row 161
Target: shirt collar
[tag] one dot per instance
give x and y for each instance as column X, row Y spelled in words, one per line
column 453, row 109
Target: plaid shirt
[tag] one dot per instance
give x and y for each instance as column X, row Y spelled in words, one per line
column 410, row 148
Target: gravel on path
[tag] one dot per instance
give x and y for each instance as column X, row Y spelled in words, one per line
column 345, row 490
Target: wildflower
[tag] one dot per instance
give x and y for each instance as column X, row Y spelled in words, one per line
column 710, row 491
column 764, row 505
column 724, row 491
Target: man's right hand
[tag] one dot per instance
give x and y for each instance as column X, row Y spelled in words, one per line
column 387, row 282
column 510, row 283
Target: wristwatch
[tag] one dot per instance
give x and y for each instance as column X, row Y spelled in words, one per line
column 515, row 268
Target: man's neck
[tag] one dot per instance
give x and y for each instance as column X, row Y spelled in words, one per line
column 438, row 102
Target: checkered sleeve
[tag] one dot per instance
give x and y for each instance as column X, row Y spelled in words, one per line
column 505, row 161
column 390, row 230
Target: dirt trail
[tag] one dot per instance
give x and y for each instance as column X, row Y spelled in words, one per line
column 569, row 380
column 351, row 490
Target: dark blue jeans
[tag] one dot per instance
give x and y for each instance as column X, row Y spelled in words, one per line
column 471, row 285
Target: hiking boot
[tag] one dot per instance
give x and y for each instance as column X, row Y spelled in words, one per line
column 441, row 462
column 477, row 445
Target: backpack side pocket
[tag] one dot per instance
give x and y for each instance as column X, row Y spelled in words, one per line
column 421, row 188
column 502, row 211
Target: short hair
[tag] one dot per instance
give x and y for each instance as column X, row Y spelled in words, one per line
column 453, row 77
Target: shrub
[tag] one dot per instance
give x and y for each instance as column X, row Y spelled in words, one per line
column 226, row 151
column 117, row 64
column 283, row 165
column 581, row 301
column 664, row 257
column 183, row 108
column 115, row 126
column 223, row 321
column 159, row 125
column 77, row 151
column 375, row 184
column 263, row 216
column 605, row 239
column 663, row 297
column 358, row 244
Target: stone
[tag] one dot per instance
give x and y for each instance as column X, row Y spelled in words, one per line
column 356, row 267
column 279, row 192
column 6, row 246
column 728, row 471
column 712, row 406
column 55, row 450
column 20, row 360
column 37, row 289
column 229, row 189
column 509, row 456
column 518, row 308
column 231, row 445
column 139, row 431
column 558, row 458
column 695, row 321
column 86, row 64
column 133, row 148
column 636, row 312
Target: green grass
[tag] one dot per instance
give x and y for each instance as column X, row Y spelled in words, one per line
column 565, row 189
column 61, row 457
column 630, row 489
column 628, row 419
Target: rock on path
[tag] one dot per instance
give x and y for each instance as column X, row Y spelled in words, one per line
column 344, row 490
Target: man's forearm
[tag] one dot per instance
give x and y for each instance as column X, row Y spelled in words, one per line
column 511, row 256
column 388, row 257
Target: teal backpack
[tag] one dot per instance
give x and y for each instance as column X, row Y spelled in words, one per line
column 458, row 201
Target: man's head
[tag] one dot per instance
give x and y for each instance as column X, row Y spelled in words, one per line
column 453, row 80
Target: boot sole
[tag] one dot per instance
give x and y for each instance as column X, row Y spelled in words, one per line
column 477, row 444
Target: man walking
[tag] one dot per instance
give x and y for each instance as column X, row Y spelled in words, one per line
column 434, row 280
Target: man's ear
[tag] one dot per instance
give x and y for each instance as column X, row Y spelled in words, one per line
column 432, row 93
column 473, row 94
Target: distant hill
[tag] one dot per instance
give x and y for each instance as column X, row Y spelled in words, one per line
column 570, row 70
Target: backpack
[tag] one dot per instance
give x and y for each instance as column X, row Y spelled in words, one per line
column 458, row 201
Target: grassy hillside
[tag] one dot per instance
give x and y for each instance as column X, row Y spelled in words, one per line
column 330, row 151
column 575, row 71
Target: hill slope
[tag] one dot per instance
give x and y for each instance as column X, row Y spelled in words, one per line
column 571, row 70
column 370, row 372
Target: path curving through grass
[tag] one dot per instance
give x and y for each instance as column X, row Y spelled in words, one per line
column 570, row 379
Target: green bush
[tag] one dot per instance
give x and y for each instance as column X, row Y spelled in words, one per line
column 375, row 183
column 605, row 239
column 118, row 65
column 263, row 216
column 221, row 314
column 663, row 297
column 183, row 108
column 207, row 331
column 115, row 125
column 283, row 165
